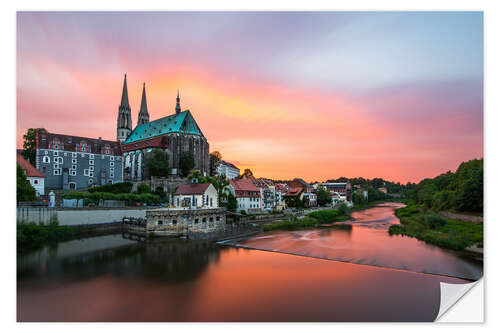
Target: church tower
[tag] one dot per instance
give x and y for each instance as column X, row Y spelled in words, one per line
column 124, row 122
column 178, row 104
column 143, row 112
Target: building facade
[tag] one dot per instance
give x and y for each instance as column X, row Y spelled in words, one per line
column 228, row 170
column 248, row 196
column 175, row 134
column 36, row 179
column 73, row 162
column 196, row 195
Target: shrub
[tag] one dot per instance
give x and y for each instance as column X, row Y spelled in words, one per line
column 116, row 188
column 326, row 216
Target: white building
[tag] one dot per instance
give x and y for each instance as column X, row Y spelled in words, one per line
column 35, row 177
column 196, row 196
column 227, row 170
column 248, row 196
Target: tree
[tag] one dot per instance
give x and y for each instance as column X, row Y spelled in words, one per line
column 186, row 163
column 29, row 144
column 157, row 164
column 324, row 196
column 247, row 172
column 143, row 188
column 220, row 183
column 25, row 192
column 215, row 158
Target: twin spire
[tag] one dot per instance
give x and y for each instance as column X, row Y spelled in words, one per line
column 143, row 111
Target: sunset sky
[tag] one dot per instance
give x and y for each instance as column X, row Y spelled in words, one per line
column 315, row 95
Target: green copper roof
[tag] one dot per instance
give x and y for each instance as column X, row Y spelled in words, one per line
column 183, row 123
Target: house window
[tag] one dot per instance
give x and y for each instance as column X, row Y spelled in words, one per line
column 91, row 168
column 211, row 203
column 174, row 222
column 110, row 181
column 196, row 220
column 65, row 154
column 72, row 173
column 112, row 158
column 86, row 172
column 74, row 156
column 44, row 169
column 46, row 159
column 160, row 222
column 103, row 157
column 82, row 155
column 91, row 174
column 112, row 175
column 211, row 219
column 56, row 153
column 35, row 181
column 72, row 186
column 111, row 164
column 118, row 158
column 56, row 166
column 74, row 161
column 204, row 220
column 91, row 156
column 91, row 181
column 57, row 172
column 46, row 152
column 73, row 167
column 59, row 160
column 91, row 162
column 217, row 218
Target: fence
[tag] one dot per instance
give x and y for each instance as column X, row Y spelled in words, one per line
column 35, row 214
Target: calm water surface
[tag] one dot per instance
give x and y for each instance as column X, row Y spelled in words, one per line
column 111, row 278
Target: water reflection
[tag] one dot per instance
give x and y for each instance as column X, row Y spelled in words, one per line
column 369, row 243
column 111, row 278
column 164, row 259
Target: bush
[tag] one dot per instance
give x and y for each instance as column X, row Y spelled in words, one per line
column 143, row 188
column 116, row 188
column 325, row 216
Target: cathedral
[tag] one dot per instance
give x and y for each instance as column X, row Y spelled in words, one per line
column 175, row 134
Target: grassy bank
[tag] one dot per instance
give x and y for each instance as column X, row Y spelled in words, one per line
column 312, row 220
column 438, row 230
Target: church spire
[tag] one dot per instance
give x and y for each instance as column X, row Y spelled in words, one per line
column 124, row 102
column 178, row 104
column 124, row 121
column 143, row 112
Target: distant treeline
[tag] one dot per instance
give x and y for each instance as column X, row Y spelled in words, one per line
column 459, row 191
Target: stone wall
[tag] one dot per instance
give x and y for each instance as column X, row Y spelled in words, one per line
column 166, row 221
column 96, row 216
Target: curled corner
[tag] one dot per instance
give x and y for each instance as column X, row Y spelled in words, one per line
column 451, row 294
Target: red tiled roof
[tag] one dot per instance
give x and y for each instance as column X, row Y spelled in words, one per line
column 70, row 143
column 294, row 191
column 243, row 185
column 30, row 170
column 193, row 188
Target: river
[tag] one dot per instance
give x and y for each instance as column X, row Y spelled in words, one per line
column 333, row 275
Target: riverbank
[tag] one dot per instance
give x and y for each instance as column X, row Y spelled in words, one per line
column 435, row 229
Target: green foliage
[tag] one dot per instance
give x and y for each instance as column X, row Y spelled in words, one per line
column 32, row 235
column 460, row 191
column 128, row 197
column 143, row 188
column 29, row 144
column 215, row 158
column 435, row 229
column 219, row 182
column 186, row 163
column 294, row 202
column 247, row 172
column 329, row 215
column 157, row 165
column 231, row 203
column 324, row 196
column 116, row 188
column 25, row 192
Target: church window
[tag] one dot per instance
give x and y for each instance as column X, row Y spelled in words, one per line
column 46, row 159
column 46, row 152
